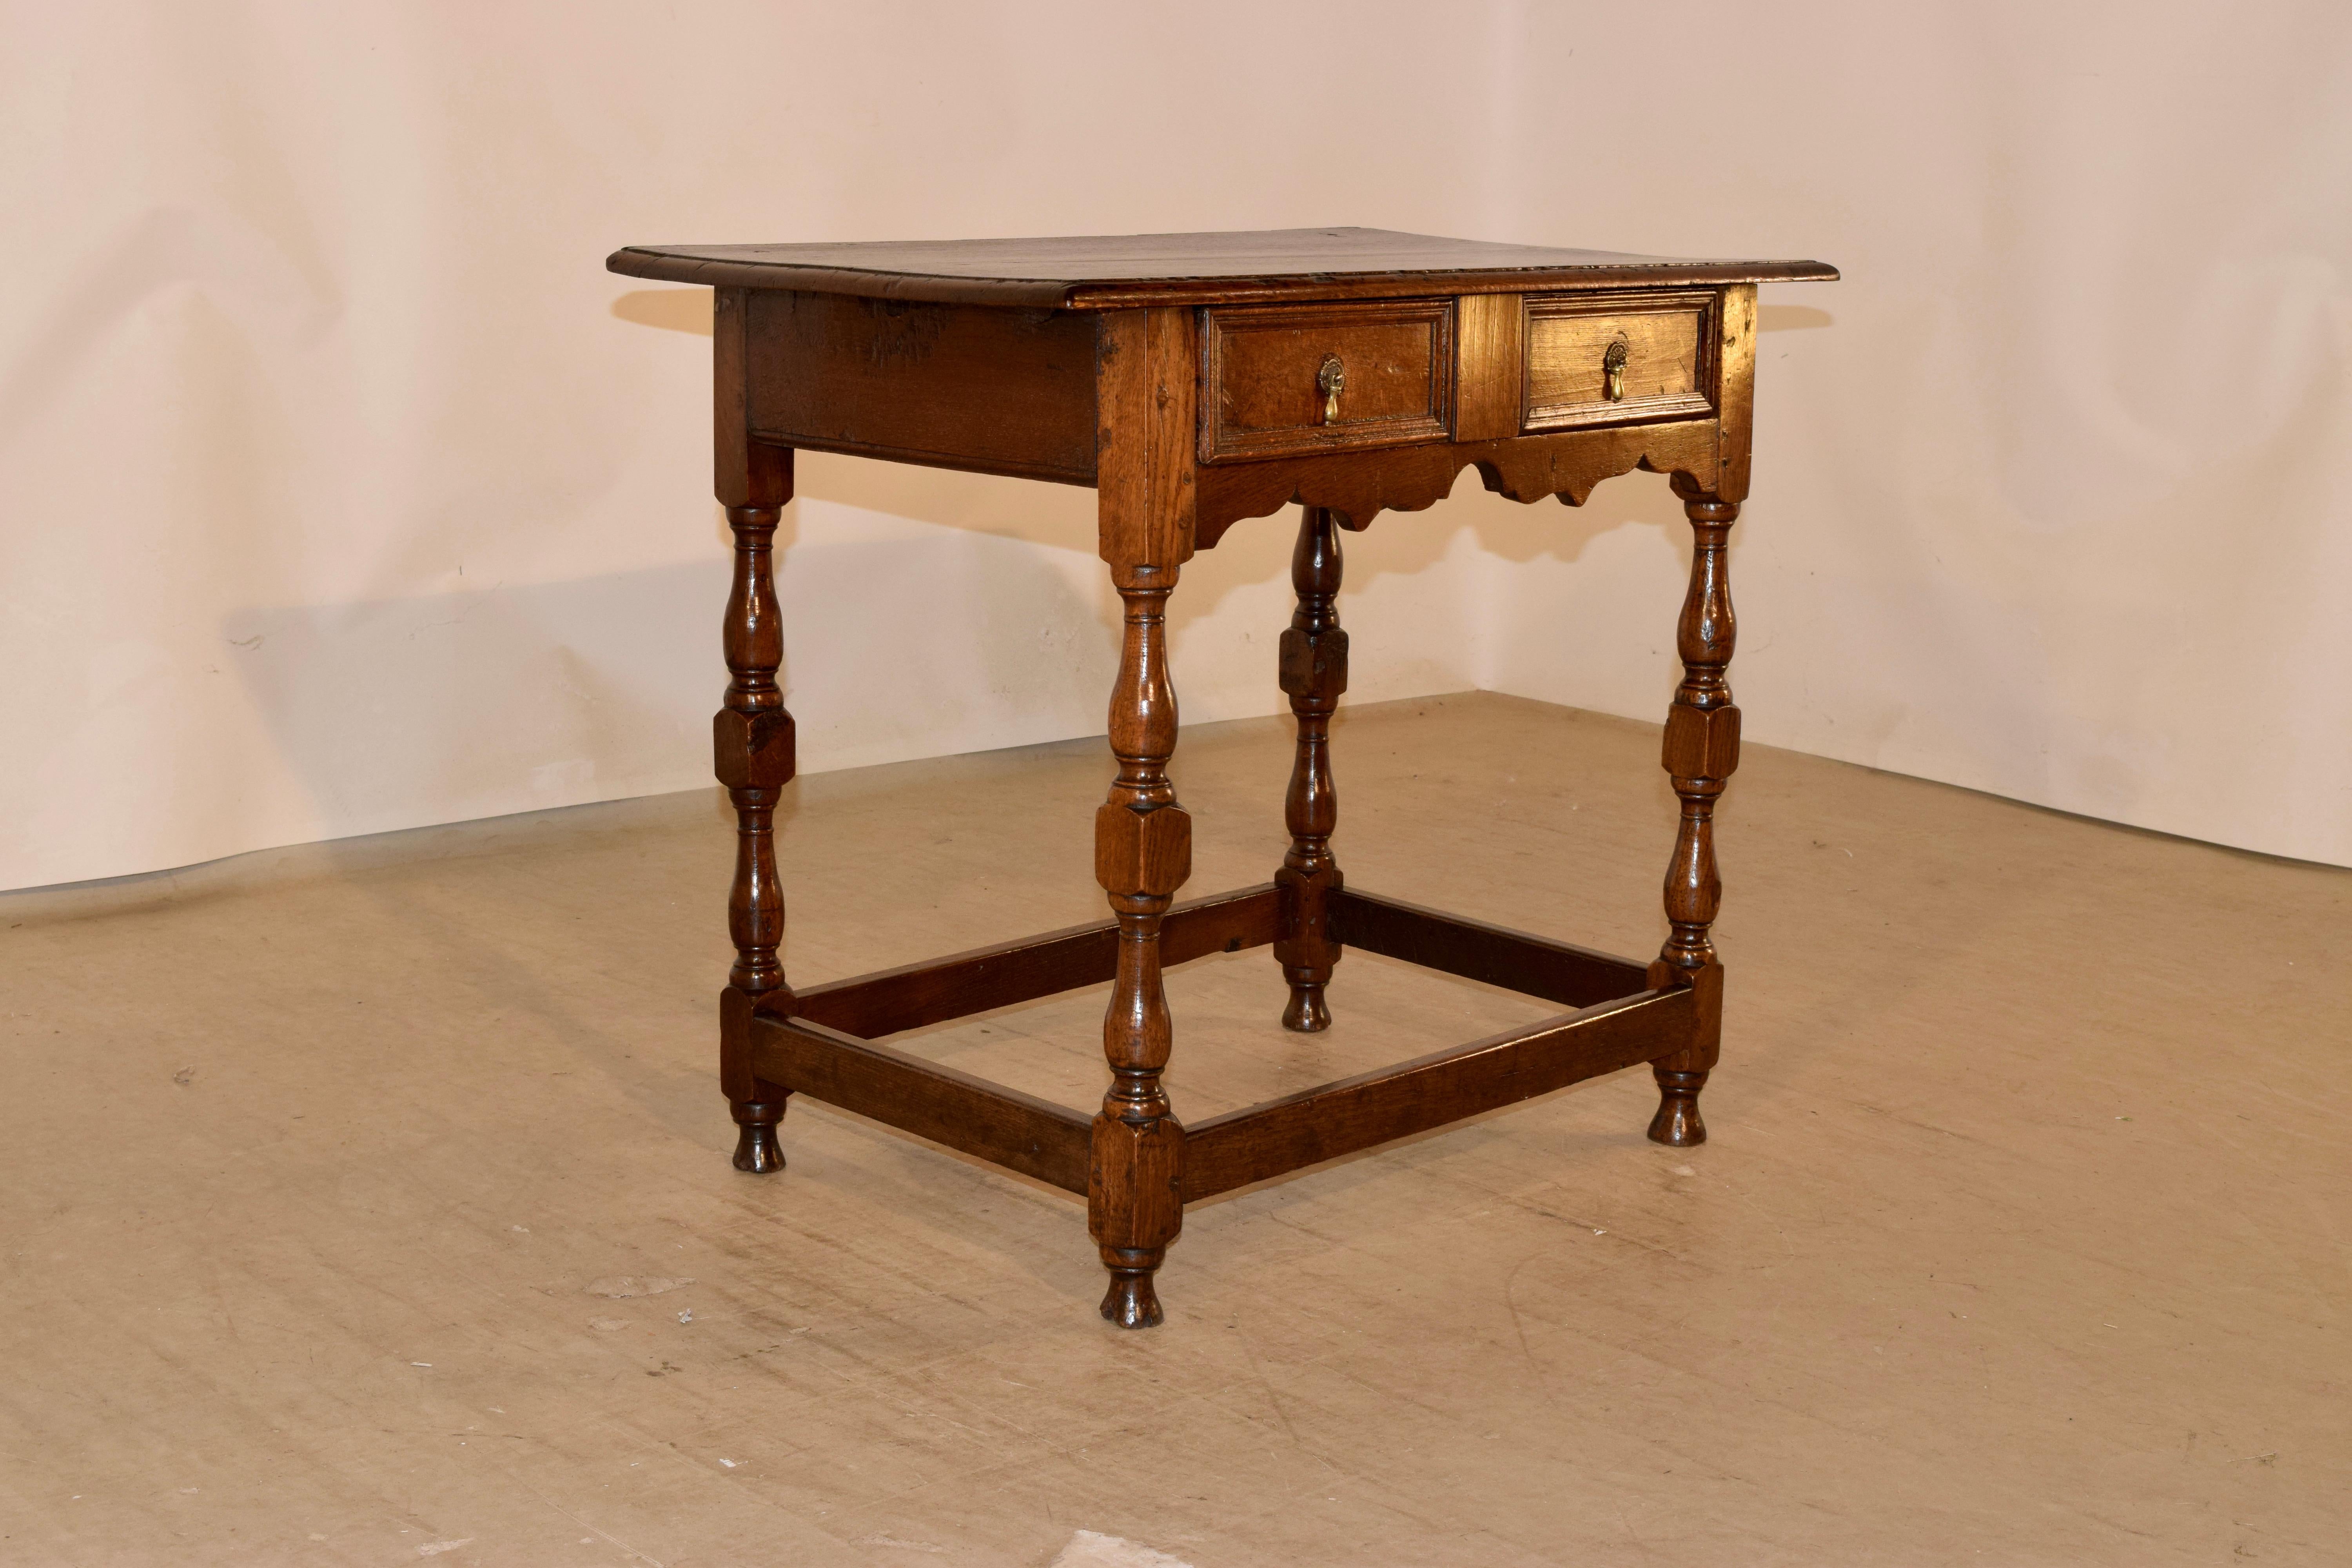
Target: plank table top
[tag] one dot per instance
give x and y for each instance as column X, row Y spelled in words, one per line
column 1126, row 271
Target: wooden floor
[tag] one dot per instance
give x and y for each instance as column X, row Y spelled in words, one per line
column 371, row 1204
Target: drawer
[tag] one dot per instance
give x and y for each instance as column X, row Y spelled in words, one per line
column 1281, row 380
column 1661, row 346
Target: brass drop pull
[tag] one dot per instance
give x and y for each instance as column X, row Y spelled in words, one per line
column 1331, row 380
column 1612, row 371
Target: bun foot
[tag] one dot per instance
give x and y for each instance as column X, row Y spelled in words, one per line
column 1677, row 1123
column 1131, row 1303
column 756, row 1149
column 1306, row 1013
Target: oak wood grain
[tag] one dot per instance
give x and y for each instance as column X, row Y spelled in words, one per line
column 1375, row 1108
column 1125, row 271
column 745, row 470
column 1669, row 358
column 916, row 995
column 1147, row 392
column 753, row 752
column 1700, row 751
column 1357, row 487
column 1313, row 671
column 1261, row 395
column 1147, row 387
column 1735, row 398
column 1488, row 382
column 958, row 386
column 1497, row 955
column 1001, row 1125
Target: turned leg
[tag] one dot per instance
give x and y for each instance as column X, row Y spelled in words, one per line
column 753, row 751
column 1702, row 747
column 1314, row 671
column 1147, row 363
column 752, row 738
column 1143, row 853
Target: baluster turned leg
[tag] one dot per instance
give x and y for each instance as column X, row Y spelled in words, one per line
column 753, row 747
column 1702, row 747
column 1143, row 853
column 1314, row 671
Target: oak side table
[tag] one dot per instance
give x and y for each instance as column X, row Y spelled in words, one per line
column 1194, row 381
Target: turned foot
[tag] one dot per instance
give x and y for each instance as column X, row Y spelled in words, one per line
column 1131, row 1303
column 1677, row 1123
column 1308, row 1013
column 756, row 1149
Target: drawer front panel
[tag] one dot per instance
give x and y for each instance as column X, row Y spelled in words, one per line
column 894, row 378
column 1268, row 387
column 1660, row 346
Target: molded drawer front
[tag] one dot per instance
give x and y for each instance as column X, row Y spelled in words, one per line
column 1268, row 393
column 1666, row 365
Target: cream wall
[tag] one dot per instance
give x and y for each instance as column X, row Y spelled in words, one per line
column 341, row 489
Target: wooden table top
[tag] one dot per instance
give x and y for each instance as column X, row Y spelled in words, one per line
column 1115, row 271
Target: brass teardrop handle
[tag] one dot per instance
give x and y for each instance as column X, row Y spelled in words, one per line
column 1612, row 371
column 1331, row 379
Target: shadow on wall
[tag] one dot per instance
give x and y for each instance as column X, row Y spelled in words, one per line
column 1064, row 516
column 1031, row 512
column 1792, row 319
column 481, row 698
column 517, row 697
column 1522, row 535
column 672, row 310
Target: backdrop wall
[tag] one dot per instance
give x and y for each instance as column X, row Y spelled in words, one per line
column 341, row 489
